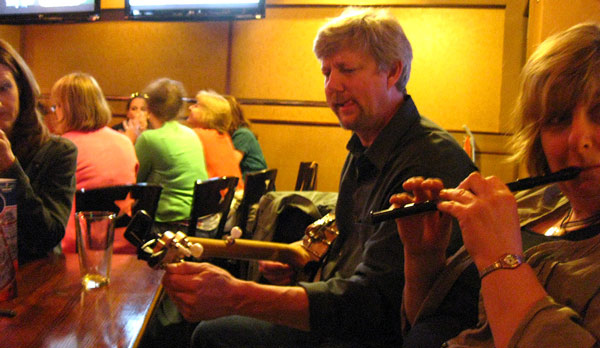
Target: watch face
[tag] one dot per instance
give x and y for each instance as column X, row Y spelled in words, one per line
column 511, row 261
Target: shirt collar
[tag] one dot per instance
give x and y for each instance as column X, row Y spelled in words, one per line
column 389, row 137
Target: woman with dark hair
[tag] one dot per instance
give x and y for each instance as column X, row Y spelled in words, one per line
column 137, row 117
column 42, row 164
column 244, row 140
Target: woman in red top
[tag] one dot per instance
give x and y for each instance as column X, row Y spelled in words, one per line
column 105, row 157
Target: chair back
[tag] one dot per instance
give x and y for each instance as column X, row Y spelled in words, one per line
column 210, row 197
column 307, row 176
column 469, row 143
column 255, row 186
column 124, row 200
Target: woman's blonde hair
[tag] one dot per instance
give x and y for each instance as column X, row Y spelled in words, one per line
column 218, row 110
column 84, row 106
column 563, row 72
column 370, row 30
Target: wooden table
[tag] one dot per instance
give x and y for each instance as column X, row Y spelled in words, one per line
column 53, row 310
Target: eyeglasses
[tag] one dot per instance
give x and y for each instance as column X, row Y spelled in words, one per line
column 138, row 95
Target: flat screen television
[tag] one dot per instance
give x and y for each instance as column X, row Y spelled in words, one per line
column 194, row 10
column 48, row 11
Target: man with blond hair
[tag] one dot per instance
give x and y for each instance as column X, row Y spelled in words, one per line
column 365, row 60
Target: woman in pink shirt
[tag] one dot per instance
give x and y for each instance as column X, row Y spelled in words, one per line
column 105, row 157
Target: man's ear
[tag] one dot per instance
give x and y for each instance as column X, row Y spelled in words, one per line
column 394, row 74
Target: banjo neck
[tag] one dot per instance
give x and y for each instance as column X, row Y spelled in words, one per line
column 246, row 249
column 174, row 247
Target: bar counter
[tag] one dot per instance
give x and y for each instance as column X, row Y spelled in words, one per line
column 53, row 310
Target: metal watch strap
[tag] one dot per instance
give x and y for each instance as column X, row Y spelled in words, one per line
column 506, row 261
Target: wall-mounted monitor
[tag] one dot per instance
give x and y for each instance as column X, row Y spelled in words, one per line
column 194, row 10
column 48, row 11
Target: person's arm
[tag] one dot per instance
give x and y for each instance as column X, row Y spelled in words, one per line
column 505, row 289
column 252, row 158
column 425, row 238
column 44, row 200
column 486, row 210
column 550, row 324
column 196, row 287
column 144, row 154
column 238, row 155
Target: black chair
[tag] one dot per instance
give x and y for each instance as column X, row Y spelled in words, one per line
column 120, row 199
column 212, row 196
column 307, row 176
column 255, row 186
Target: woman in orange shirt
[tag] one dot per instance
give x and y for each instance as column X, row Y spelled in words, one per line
column 210, row 118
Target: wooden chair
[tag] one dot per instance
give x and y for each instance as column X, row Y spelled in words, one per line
column 307, row 176
column 123, row 200
column 255, row 186
column 212, row 196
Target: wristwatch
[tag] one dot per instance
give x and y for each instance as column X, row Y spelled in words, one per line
column 506, row 261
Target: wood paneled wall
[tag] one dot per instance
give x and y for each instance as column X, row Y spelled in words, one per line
column 124, row 56
column 547, row 17
column 461, row 69
column 467, row 56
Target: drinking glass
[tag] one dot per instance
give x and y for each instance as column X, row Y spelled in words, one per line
column 95, row 235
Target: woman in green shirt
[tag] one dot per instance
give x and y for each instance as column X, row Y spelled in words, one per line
column 169, row 153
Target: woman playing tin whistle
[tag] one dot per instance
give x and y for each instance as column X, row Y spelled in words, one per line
column 537, row 254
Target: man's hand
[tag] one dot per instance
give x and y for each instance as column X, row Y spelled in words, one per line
column 201, row 291
column 7, row 157
column 277, row 273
